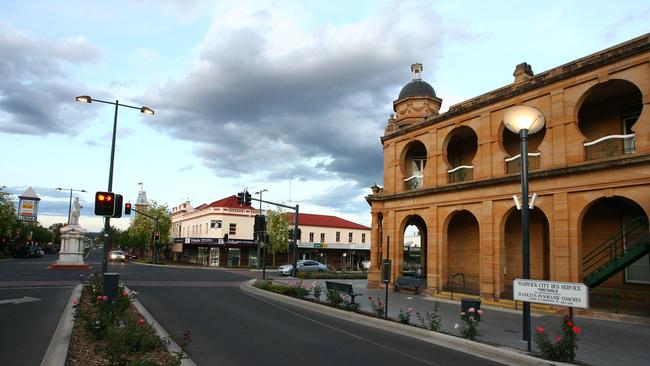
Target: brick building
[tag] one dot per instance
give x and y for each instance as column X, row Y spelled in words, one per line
column 453, row 176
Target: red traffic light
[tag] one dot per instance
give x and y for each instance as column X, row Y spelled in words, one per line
column 127, row 208
column 104, row 204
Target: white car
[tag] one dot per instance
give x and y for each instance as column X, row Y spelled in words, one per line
column 302, row 266
column 117, row 255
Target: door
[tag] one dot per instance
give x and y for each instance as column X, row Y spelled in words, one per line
column 214, row 257
column 233, row 257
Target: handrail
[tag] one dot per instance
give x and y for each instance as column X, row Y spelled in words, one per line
column 451, row 281
column 519, row 155
column 413, row 177
column 607, row 138
column 613, row 246
column 460, row 167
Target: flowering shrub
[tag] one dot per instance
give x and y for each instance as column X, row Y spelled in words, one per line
column 377, row 306
column 405, row 315
column 122, row 335
column 430, row 320
column 335, row 298
column 469, row 323
column 296, row 290
column 564, row 346
column 316, row 291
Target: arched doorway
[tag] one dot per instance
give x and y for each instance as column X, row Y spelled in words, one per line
column 540, row 253
column 414, row 253
column 623, row 223
column 462, row 253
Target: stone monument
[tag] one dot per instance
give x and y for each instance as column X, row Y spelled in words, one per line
column 72, row 250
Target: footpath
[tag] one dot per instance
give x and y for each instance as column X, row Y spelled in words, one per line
column 601, row 342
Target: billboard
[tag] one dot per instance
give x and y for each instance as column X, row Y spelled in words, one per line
column 27, row 209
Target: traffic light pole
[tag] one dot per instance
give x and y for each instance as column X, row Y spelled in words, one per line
column 155, row 241
column 294, row 251
column 107, row 220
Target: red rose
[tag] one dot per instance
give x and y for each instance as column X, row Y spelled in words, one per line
column 577, row 330
column 539, row 329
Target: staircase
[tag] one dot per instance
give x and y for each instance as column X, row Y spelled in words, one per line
column 618, row 252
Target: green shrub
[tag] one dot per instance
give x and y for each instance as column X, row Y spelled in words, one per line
column 430, row 320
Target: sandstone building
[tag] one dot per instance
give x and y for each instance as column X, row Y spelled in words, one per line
column 453, row 176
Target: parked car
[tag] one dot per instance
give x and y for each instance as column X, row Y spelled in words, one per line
column 117, row 255
column 302, row 266
column 131, row 256
column 35, row 251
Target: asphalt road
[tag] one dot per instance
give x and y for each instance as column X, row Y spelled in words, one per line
column 228, row 326
column 27, row 327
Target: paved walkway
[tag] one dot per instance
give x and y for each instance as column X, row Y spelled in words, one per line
column 601, row 342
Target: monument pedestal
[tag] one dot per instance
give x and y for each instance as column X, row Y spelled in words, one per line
column 71, row 255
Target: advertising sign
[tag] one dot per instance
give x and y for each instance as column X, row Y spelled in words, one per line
column 27, row 209
column 551, row 293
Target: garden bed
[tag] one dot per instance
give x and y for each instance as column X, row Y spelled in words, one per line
column 114, row 333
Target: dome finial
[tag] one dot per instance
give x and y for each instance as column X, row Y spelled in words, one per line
column 417, row 71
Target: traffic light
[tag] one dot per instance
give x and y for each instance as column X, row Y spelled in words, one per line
column 247, row 198
column 105, row 204
column 225, row 238
column 240, row 198
column 156, row 235
column 118, row 206
column 127, row 208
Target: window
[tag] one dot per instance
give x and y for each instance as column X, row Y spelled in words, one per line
column 349, row 237
column 206, row 227
column 322, row 237
column 311, row 237
column 363, row 237
column 338, row 236
column 233, row 229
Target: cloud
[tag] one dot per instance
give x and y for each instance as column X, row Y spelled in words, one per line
column 266, row 98
column 33, row 84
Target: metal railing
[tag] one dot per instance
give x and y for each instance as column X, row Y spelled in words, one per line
column 513, row 164
column 610, row 146
column 461, row 173
column 452, row 281
column 413, row 182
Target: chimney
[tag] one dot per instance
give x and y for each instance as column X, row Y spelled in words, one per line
column 523, row 72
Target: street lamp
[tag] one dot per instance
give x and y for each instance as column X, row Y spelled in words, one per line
column 258, row 242
column 524, row 120
column 70, row 204
column 107, row 220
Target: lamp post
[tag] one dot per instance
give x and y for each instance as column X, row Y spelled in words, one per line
column 258, row 242
column 524, row 120
column 107, row 220
column 70, row 204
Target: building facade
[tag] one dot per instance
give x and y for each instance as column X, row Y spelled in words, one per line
column 453, row 175
column 221, row 234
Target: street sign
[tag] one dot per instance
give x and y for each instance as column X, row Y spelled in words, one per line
column 569, row 294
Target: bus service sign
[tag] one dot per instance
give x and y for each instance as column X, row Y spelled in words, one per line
column 569, row 294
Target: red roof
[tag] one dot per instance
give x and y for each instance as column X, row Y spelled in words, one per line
column 326, row 221
column 230, row 202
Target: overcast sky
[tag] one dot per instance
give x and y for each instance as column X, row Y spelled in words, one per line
column 289, row 96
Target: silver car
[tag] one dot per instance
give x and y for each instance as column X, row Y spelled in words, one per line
column 117, row 255
column 302, row 266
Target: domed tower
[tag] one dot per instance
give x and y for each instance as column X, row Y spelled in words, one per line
column 417, row 101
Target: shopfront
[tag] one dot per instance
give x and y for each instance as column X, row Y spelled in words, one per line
column 214, row 252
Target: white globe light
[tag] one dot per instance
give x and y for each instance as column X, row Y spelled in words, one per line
column 523, row 117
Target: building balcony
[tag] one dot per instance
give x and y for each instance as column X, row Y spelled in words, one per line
column 609, row 146
column 513, row 164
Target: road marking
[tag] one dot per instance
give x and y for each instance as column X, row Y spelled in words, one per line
column 20, row 300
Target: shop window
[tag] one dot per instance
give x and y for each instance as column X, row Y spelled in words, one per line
column 232, row 229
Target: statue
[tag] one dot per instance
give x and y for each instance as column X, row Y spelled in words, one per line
column 74, row 214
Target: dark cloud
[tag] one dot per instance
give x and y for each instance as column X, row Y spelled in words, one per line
column 312, row 110
column 35, row 94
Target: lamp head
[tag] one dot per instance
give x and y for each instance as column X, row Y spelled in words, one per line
column 146, row 110
column 523, row 117
column 84, row 99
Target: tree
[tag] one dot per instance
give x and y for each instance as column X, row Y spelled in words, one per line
column 56, row 229
column 141, row 227
column 8, row 219
column 278, row 230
